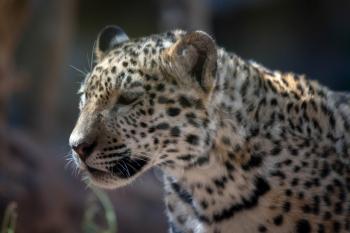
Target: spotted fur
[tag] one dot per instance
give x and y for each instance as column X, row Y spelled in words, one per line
column 242, row 148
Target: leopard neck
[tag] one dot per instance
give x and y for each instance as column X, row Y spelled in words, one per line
column 255, row 114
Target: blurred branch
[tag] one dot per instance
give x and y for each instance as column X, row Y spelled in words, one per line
column 56, row 49
column 10, row 218
column 13, row 18
column 89, row 224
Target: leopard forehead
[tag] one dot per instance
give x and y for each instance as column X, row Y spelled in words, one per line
column 126, row 67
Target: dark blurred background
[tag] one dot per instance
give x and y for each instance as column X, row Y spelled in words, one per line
column 42, row 40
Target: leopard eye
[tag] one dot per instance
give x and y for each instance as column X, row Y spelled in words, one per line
column 126, row 100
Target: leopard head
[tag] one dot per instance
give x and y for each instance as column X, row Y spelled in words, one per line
column 145, row 104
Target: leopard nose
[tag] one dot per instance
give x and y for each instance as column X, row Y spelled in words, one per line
column 84, row 149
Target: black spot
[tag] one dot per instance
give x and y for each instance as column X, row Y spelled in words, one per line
column 192, row 139
column 204, row 204
column 254, row 132
column 273, row 102
column 209, row 190
column 148, row 77
column 163, row 125
column 175, row 131
column 254, row 161
column 279, row 174
column 152, row 95
column 325, row 171
column 143, row 124
column 182, row 193
column 289, row 192
column 147, row 87
column 187, row 157
column 276, row 150
column 192, row 119
column 113, row 69
column 190, row 115
column 316, row 205
column 289, row 107
column 135, row 84
column 198, row 104
column 181, row 219
column 327, row 215
column 150, row 111
column 165, row 100
column 278, row 220
column 303, row 226
column 261, row 187
column 225, row 140
column 336, row 227
column 170, row 207
column 173, row 111
column 220, row 183
column 286, row 206
column 166, row 142
column 128, row 79
column 295, row 182
column 338, row 208
column 151, row 130
column 132, row 131
column 185, row 102
column 229, row 166
column 262, row 228
column 155, row 140
column 160, row 87
column 202, row 160
column 301, row 195
column 321, row 228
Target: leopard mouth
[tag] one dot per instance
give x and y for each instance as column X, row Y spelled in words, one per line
column 126, row 167
column 95, row 172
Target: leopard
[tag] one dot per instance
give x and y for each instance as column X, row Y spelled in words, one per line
column 241, row 148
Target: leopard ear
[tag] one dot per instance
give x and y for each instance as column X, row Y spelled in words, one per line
column 107, row 39
column 195, row 55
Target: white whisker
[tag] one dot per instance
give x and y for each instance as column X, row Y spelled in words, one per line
column 126, row 168
column 92, row 56
column 79, row 70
